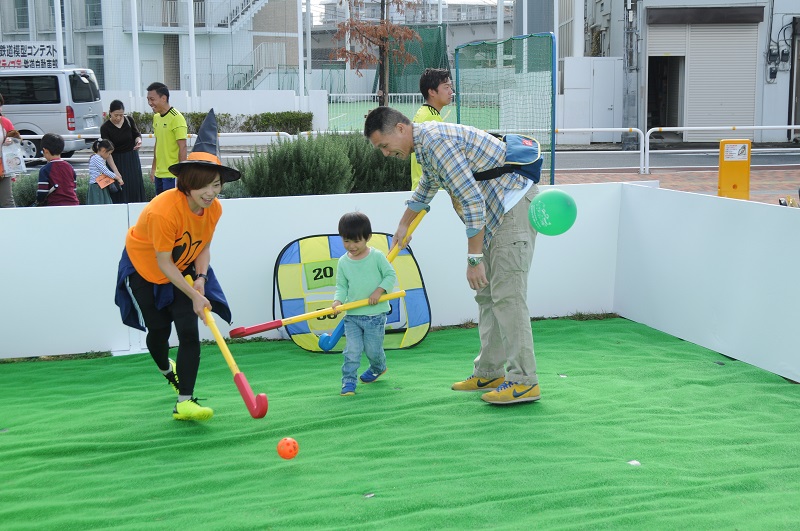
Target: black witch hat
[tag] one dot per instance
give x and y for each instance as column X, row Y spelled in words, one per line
column 206, row 151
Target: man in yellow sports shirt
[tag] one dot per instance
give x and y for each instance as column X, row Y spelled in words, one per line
column 437, row 89
column 169, row 127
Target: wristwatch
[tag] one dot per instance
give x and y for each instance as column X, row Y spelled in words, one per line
column 474, row 259
column 203, row 276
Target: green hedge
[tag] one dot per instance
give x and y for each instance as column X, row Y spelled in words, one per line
column 291, row 122
column 24, row 188
column 321, row 165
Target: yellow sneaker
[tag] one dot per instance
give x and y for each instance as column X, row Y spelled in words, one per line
column 474, row 383
column 512, row 393
column 191, row 410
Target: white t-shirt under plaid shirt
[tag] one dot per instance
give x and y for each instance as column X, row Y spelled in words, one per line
column 449, row 154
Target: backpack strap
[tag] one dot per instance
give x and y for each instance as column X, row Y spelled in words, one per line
column 494, row 173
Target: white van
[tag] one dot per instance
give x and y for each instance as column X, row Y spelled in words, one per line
column 65, row 101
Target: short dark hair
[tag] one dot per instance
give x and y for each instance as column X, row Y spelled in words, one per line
column 53, row 143
column 160, row 88
column 430, row 79
column 195, row 177
column 383, row 119
column 355, row 226
column 116, row 105
column 102, row 143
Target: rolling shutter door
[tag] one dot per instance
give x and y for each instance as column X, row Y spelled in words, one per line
column 721, row 79
column 667, row 39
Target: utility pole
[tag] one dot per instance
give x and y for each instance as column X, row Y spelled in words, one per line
column 383, row 66
column 630, row 100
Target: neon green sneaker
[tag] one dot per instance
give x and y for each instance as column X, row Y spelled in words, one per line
column 512, row 393
column 191, row 410
column 474, row 383
column 172, row 377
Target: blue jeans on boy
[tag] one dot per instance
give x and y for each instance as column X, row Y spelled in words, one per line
column 364, row 334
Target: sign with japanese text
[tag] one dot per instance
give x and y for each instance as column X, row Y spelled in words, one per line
column 28, row 54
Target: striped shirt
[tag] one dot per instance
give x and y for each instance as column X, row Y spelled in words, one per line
column 97, row 166
column 449, row 154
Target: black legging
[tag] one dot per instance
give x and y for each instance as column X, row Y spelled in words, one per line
column 159, row 328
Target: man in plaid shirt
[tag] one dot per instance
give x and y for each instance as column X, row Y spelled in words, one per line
column 500, row 240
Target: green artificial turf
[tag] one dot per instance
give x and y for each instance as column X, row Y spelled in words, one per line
column 91, row 443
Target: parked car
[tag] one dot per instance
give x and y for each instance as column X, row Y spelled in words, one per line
column 65, row 101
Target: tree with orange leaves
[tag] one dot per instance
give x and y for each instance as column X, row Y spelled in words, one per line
column 381, row 43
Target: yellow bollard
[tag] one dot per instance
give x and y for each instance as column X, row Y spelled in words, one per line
column 734, row 169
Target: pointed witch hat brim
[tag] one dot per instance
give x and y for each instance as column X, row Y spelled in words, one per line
column 206, row 152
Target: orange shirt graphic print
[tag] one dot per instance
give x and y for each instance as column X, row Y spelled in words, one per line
column 185, row 250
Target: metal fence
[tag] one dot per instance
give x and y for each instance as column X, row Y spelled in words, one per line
column 353, row 108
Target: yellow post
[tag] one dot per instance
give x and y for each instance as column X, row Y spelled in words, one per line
column 734, row 169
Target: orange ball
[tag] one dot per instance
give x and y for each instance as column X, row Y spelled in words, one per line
column 288, row 448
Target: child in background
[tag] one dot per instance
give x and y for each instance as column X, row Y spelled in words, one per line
column 57, row 179
column 98, row 165
column 362, row 273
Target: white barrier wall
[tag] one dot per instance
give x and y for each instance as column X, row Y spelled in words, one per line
column 717, row 272
column 58, row 280
column 721, row 273
column 58, row 271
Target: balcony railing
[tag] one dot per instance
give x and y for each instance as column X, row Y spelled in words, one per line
column 162, row 14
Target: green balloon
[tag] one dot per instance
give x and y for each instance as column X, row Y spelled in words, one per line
column 552, row 212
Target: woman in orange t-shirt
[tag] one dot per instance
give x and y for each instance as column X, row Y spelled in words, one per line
column 171, row 239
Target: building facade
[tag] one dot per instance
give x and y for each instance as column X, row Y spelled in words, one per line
column 223, row 44
column 229, row 44
column 631, row 63
column 703, row 63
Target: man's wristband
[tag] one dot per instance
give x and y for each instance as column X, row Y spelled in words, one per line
column 203, row 276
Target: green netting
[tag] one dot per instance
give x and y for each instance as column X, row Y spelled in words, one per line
column 509, row 87
column 333, row 77
column 288, row 77
column 239, row 76
column 430, row 52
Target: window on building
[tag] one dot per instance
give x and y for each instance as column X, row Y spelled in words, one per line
column 94, row 60
column 94, row 13
column 333, row 15
column 21, row 14
column 52, row 10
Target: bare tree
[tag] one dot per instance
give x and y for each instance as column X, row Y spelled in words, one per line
column 382, row 43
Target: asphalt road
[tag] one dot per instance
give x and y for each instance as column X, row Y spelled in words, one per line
column 675, row 159
column 598, row 159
